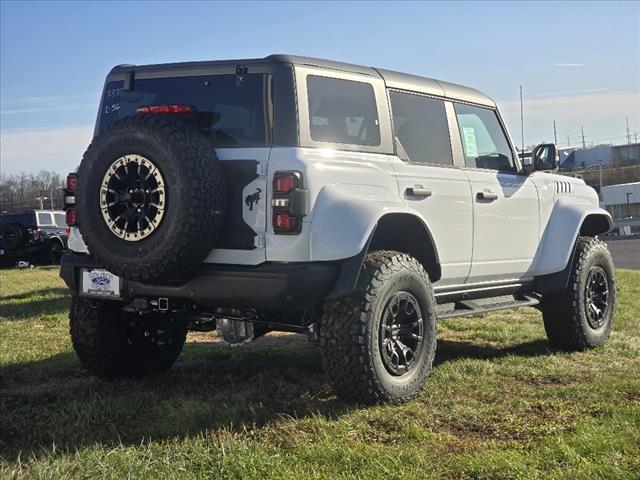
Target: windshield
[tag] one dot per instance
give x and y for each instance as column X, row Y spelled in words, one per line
column 231, row 111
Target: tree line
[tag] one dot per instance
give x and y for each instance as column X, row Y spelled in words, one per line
column 24, row 191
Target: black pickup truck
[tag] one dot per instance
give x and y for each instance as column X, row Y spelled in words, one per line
column 33, row 236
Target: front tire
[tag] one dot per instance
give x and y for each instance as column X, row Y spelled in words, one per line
column 378, row 343
column 111, row 343
column 582, row 316
column 54, row 253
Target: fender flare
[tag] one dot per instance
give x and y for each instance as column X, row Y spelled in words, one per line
column 569, row 219
column 346, row 218
column 56, row 238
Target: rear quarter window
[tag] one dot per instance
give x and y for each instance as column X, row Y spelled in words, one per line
column 342, row 111
column 228, row 111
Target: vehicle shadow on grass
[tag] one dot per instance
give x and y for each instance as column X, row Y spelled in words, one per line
column 210, row 389
column 27, row 310
column 38, row 293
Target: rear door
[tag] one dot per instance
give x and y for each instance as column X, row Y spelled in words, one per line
column 429, row 182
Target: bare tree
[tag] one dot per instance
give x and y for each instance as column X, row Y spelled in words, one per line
column 22, row 191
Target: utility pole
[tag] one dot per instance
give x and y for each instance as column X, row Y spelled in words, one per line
column 522, row 122
column 635, row 134
column 568, row 140
column 584, row 145
column 628, row 133
column 555, row 133
column 600, row 196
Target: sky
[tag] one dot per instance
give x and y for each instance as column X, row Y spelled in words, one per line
column 578, row 63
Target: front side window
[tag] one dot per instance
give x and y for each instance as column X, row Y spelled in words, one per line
column 44, row 219
column 483, row 140
column 342, row 111
column 420, row 127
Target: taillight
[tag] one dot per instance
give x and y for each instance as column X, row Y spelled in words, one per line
column 72, row 180
column 284, row 182
column 71, row 217
column 165, row 109
column 70, row 191
column 284, row 222
column 289, row 202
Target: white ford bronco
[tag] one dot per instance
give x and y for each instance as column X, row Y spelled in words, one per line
column 353, row 204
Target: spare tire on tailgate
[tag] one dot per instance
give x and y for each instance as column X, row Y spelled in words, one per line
column 150, row 198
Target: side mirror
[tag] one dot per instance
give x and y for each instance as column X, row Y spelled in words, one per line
column 545, row 157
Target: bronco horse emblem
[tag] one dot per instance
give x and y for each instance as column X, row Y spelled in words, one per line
column 253, row 198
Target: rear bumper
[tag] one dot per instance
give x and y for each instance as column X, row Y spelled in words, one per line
column 269, row 286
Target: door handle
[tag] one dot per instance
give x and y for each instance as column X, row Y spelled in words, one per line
column 418, row 191
column 487, row 194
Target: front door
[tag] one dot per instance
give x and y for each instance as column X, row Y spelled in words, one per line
column 505, row 203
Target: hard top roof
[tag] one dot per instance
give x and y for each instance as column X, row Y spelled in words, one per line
column 392, row 79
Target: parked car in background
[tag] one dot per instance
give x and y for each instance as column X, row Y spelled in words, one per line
column 32, row 236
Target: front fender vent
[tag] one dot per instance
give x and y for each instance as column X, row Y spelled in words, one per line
column 563, row 187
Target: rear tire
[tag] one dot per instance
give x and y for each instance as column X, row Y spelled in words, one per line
column 13, row 236
column 365, row 335
column 582, row 316
column 111, row 343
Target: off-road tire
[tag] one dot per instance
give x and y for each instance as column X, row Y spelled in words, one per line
column 54, row 252
column 565, row 313
column 13, row 236
column 111, row 343
column 350, row 332
column 195, row 198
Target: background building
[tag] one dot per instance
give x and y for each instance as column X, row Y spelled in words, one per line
column 607, row 155
column 623, row 202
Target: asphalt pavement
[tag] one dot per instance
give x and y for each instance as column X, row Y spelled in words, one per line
column 625, row 253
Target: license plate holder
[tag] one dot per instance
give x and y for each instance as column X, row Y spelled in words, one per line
column 97, row 282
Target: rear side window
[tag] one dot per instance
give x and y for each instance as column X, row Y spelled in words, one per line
column 44, row 219
column 232, row 112
column 484, row 142
column 421, row 129
column 342, row 111
column 60, row 219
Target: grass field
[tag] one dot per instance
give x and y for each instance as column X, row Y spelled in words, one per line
column 498, row 404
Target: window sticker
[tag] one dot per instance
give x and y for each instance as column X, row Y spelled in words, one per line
column 470, row 145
